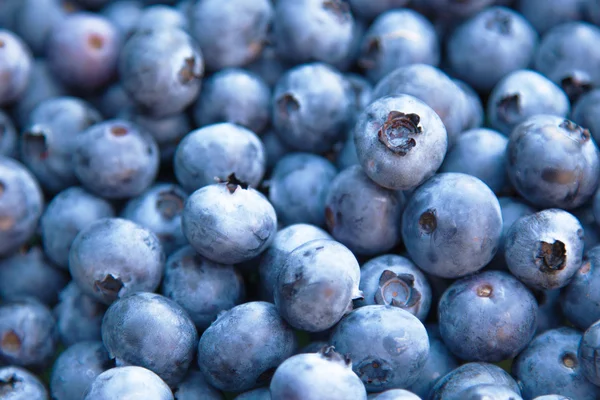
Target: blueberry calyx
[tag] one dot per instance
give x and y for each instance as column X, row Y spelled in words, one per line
column 232, row 182
column 428, row 222
column 569, row 360
column 109, row 286
column 372, row 51
column 373, row 372
column 9, row 383
column 500, row 22
column 187, row 73
column 118, row 130
column 288, row 104
column 576, row 85
column 551, row 257
column 35, row 142
column 329, row 353
column 95, row 41
column 11, row 342
column 397, row 290
column 397, row 130
column 575, row 131
column 485, row 290
column 509, row 107
column 169, row 204
column 339, row 8
column 585, row 267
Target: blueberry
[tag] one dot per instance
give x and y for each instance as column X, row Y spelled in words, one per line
column 580, row 299
column 151, row 331
column 128, row 381
column 313, row 347
column 400, row 141
column 553, row 162
column 552, row 397
column 275, row 149
column 50, row 137
column 311, row 106
column 544, row 14
column 549, row 365
column 216, row 151
column 396, row 281
column 8, row 136
column 228, row 222
column 512, row 209
column 114, row 102
column 78, row 316
column 15, row 66
column 368, row 10
column 76, row 368
column 314, row 376
column 298, row 188
column 285, row 241
column 396, row 394
column 27, row 334
column 161, row 70
column 242, row 348
column 588, row 353
column 8, row 10
column 116, row 159
column 92, row 4
column 21, row 205
column 455, row 9
column 474, row 113
column 256, row 394
column 452, row 225
column 549, row 313
column 316, row 285
column 114, row 257
column 487, row 392
column 194, row 387
column 361, row 89
column 586, row 112
column 268, row 66
column 592, row 11
column 237, row 96
column 124, row 15
column 19, row 384
column 34, row 20
column 161, row 17
column 347, row 156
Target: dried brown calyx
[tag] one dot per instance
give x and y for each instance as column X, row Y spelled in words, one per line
column 575, row 132
column 576, row 85
column 109, row 286
column 8, row 384
column 188, row 73
column 169, row 204
column 551, row 257
column 398, row 132
column 509, row 108
column 340, row 9
column 95, row 41
column 288, row 104
column 428, row 221
column 118, row 130
column 397, row 290
column 35, row 142
column 233, row 183
column 11, row 342
column 500, row 22
column 371, row 53
column 485, row 290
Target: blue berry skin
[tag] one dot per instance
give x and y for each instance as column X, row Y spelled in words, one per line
column 34, row 20
column 272, row 260
column 256, row 394
column 229, row 224
column 114, row 102
column 544, row 15
column 491, row 45
column 116, row 159
column 217, row 151
column 275, row 149
column 553, row 162
column 268, row 66
column 27, row 334
column 114, row 257
column 400, row 141
column 469, row 375
column 552, row 397
column 8, row 136
column 128, row 381
column 487, row 317
column 368, row 10
column 488, row 392
column 202, row 287
column 242, row 348
column 512, row 209
column 549, row 365
column 347, row 156
column 194, row 387
column 395, row 39
column 15, row 66
column 316, row 376
column 67, row 214
column 78, row 316
column 481, row 153
column 124, row 15
column 316, row 285
column 567, row 55
column 313, row 30
column 19, row 384
column 230, row 34
column 549, row 314
column 151, row 331
column 311, row 106
column 237, row 96
column 545, row 250
column 83, row 50
column 161, row 17
column 29, row 273
column 586, row 112
column 453, row 9
column 452, row 225
column 21, row 205
column 474, row 113
column 159, row 210
column 361, row 89
column 396, row 281
column 588, row 353
column 161, row 70
column 396, row 394
column 49, row 139
column 76, row 368
column 592, row 11
column 523, row 94
column 298, row 188
column 388, row 346
column 580, row 300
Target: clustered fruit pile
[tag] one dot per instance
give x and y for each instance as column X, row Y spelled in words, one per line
column 299, row 199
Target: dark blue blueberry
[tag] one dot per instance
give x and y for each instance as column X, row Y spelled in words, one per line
column 8, row 136
column 29, row 273
column 546, row 14
column 592, row 11
column 124, row 15
column 474, row 113
column 400, row 141
column 311, row 106
column 82, row 51
column 76, row 368
column 269, row 66
column 275, row 149
column 368, row 9
column 395, row 39
column 8, row 9
column 128, row 381
column 49, row 139
column 114, row 102
column 159, row 209
column 314, row 376
column 512, row 209
column 491, row 45
column 347, row 156
column 313, row 347
column 361, row 91
column 273, row 259
column 396, row 394
column 194, row 387
column 202, row 287
column 242, row 348
column 21, row 205
column 116, row 159
column 19, row 384
column 553, row 397
column 586, row 112
column 151, row 331
column 348, row 63
column 256, row 394
column 34, row 20
column 544, row 250
column 553, row 162
column 396, row 281
column 217, row 151
column 549, row 313
column 237, row 96
column 316, row 285
column 229, row 223
column 388, row 346
column 113, row 257
column 27, row 334
column 549, row 365
column 15, row 66
column 298, row 188
column 589, row 353
column 455, row 9
column 161, row 70
column 161, row 17
column 487, row 392
column 580, row 299
column 78, row 316
column 452, row 225
column 92, row 4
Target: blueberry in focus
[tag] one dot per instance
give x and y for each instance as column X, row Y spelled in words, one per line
column 588, row 353
column 128, row 381
column 396, row 394
column 580, row 300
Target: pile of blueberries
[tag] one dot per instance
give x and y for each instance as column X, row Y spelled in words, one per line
column 299, row 199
